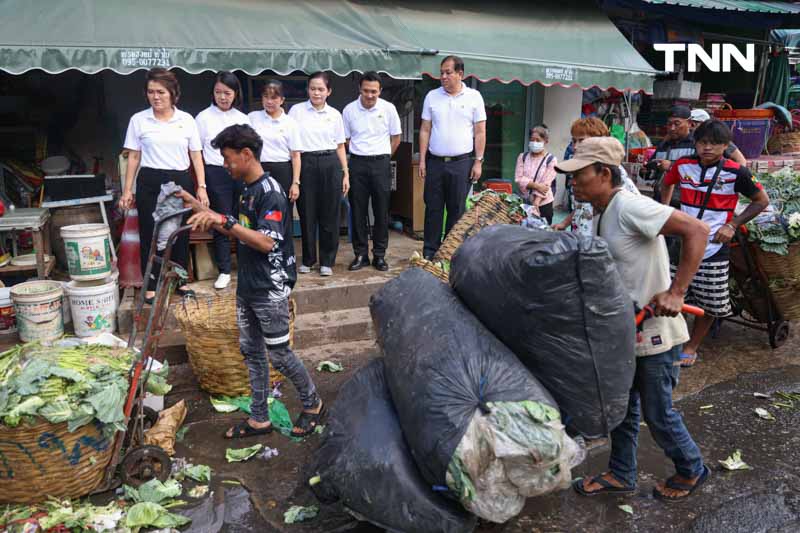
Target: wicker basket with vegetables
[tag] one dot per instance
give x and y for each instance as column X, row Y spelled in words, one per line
column 59, row 409
column 775, row 238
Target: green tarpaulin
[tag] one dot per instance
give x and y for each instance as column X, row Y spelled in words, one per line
column 569, row 42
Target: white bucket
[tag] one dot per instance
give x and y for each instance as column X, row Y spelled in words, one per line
column 37, row 305
column 88, row 248
column 8, row 324
column 94, row 306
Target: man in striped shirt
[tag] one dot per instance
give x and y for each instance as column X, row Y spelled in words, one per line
column 710, row 186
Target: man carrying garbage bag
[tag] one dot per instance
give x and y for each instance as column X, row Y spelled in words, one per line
column 634, row 227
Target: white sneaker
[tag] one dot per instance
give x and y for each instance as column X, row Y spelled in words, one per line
column 304, row 269
column 325, row 271
column 223, row 280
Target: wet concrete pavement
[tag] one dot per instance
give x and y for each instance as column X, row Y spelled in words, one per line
column 732, row 368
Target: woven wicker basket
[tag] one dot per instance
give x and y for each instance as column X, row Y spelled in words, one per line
column 779, row 266
column 44, row 459
column 787, row 302
column 784, row 143
column 488, row 211
column 212, row 344
column 431, row 267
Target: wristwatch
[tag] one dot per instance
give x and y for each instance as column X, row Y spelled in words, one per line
column 230, row 221
column 479, row 159
column 203, row 186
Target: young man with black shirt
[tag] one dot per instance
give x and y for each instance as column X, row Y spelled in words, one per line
column 266, row 275
column 710, row 185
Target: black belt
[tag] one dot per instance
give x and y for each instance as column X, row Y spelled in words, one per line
column 447, row 159
column 320, row 153
column 370, row 157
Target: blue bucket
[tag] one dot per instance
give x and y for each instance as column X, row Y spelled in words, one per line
column 750, row 135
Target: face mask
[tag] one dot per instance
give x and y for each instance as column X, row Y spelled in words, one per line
column 535, row 146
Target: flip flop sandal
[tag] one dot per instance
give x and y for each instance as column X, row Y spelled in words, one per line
column 308, row 422
column 688, row 360
column 243, row 430
column 608, row 488
column 672, row 484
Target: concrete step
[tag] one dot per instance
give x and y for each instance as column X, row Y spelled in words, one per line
column 332, row 327
column 336, row 296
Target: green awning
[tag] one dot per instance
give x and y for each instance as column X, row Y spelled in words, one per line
column 752, row 6
column 566, row 42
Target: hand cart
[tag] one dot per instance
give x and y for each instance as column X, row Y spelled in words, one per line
column 752, row 302
column 138, row 462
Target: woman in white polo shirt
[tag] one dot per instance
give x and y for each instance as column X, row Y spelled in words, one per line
column 161, row 140
column 280, row 155
column 223, row 190
column 324, row 177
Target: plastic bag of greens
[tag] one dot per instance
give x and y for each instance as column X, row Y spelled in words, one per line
column 557, row 301
column 364, row 463
column 478, row 424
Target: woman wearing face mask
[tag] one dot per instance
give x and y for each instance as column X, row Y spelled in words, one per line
column 223, row 190
column 324, row 177
column 536, row 172
column 280, row 155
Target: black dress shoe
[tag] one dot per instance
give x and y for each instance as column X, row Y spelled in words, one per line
column 380, row 264
column 359, row 262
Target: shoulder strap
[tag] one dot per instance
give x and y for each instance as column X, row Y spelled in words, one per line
column 710, row 188
column 545, row 159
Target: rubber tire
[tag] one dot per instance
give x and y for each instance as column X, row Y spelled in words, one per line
column 143, row 463
column 778, row 334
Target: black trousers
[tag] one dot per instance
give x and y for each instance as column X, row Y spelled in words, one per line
column 223, row 194
column 370, row 178
column 547, row 212
column 281, row 172
column 148, row 186
column 319, row 205
column 446, row 185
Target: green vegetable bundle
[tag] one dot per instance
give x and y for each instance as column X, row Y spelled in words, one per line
column 775, row 230
column 73, row 384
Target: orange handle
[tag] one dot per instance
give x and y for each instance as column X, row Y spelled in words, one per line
column 649, row 311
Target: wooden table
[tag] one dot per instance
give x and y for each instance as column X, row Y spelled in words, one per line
column 37, row 221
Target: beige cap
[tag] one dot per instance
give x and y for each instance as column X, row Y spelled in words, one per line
column 607, row 150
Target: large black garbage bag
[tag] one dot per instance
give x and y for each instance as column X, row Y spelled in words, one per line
column 479, row 425
column 364, row 463
column 557, row 300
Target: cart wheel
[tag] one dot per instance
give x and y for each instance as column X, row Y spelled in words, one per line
column 150, row 419
column 778, row 334
column 143, row 463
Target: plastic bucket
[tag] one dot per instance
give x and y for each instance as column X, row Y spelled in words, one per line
column 8, row 323
column 88, row 248
column 37, row 305
column 750, row 135
column 65, row 310
column 94, row 306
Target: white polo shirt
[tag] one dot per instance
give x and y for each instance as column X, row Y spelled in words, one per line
column 281, row 136
column 369, row 130
column 164, row 145
column 453, row 120
column 319, row 130
column 210, row 122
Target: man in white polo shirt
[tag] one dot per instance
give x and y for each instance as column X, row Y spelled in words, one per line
column 372, row 128
column 453, row 127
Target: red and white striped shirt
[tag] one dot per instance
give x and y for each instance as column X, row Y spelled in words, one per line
column 694, row 179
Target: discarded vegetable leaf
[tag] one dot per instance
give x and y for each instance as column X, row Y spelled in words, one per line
column 222, row 406
column 734, row 462
column 201, row 473
column 626, row 508
column 763, row 413
column 761, row 395
column 227, row 404
column 704, row 407
column 151, row 514
column 241, row 454
column 198, row 492
column 319, row 430
column 314, row 481
column 153, row 491
column 230, row 482
column 329, row 366
column 181, row 433
column 298, row 513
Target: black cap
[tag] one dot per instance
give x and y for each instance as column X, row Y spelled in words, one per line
column 680, row 111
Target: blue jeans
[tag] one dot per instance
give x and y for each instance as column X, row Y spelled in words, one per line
column 651, row 395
